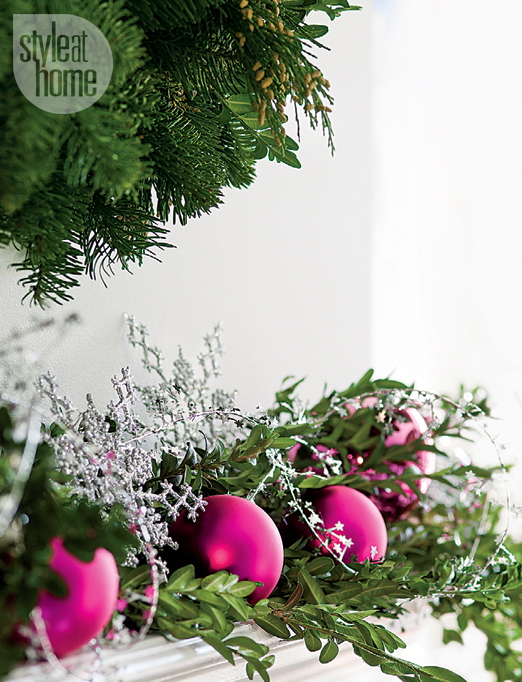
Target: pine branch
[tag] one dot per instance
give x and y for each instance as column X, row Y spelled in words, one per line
column 82, row 192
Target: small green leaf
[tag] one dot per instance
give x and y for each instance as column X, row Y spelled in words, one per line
column 219, row 621
column 368, row 657
column 210, row 598
column 313, row 643
column 283, row 443
column 273, row 625
column 451, row 636
column 238, row 607
column 220, row 647
column 313, row 31
column 295, row 598
column 179, row 630
column 215, row 581
column 258, row 666
column 242, row 588
column 328, row 652
column 312, row 589
column 436, row 674
column 179, row 579
column 247, row 645
column 320, row 566
column 176, row 607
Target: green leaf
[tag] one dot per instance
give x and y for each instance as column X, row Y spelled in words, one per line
column 176, row 607
column 242, row 588
column 258, row 666
column 273, row 625
column 238, row 607
column 312, row 641
column 354, row 616
column 312, row 589
column 231, row 580
column 320, row 566
column 462, row 620
column 132, row 577
column 372, row 590
column 210, row 598
column 240, row 103
column 241, row 107
column 220, row 647
column 391, row 640
column 294, row 598
column 436, row 674
column 219, row 621
column 215, row 582
column 368, row 657
column 328, row 652
column 451, row 636
column 179, row 630
column 313, row 31
column 279, row 153
column 284, row 443
column 247, row 645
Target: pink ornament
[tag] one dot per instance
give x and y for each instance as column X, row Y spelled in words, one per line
column 394, row 505
column 355, row 404
column 352, row 527
column 232, row 534
column 408, row 426
column 93, row 587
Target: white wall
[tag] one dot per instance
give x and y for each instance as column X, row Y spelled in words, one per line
column 447, row 240
column 285, row 265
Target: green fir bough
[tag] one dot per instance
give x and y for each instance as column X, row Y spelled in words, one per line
column 199, row 93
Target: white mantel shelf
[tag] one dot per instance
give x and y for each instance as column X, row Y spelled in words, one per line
column 157, row 660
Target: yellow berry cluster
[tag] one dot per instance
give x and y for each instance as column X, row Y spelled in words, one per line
column 274, row 79
column 259, row 21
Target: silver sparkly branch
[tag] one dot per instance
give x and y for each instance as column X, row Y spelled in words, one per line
column 113, row 454
column 185, row 400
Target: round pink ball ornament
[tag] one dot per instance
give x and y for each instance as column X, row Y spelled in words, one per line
column 73, row 620
column 232, row 534
column 352, row 529
column 394, row 505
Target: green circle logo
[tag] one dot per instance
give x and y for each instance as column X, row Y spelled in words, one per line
column 62, row 63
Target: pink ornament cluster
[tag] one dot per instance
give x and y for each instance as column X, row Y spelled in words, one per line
column 409, row 426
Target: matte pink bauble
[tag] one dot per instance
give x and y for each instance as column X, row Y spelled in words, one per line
column 394, row 505
column 408, row 427
column 93, row 587
column 406, row 431
column 232, row 534
column 354, row 529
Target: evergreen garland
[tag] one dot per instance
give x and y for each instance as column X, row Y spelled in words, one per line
column 451, row 551
column 200, row 91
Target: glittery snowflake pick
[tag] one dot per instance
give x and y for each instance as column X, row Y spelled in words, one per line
column 115, row 455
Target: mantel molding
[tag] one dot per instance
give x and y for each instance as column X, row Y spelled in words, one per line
column 157, row 660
